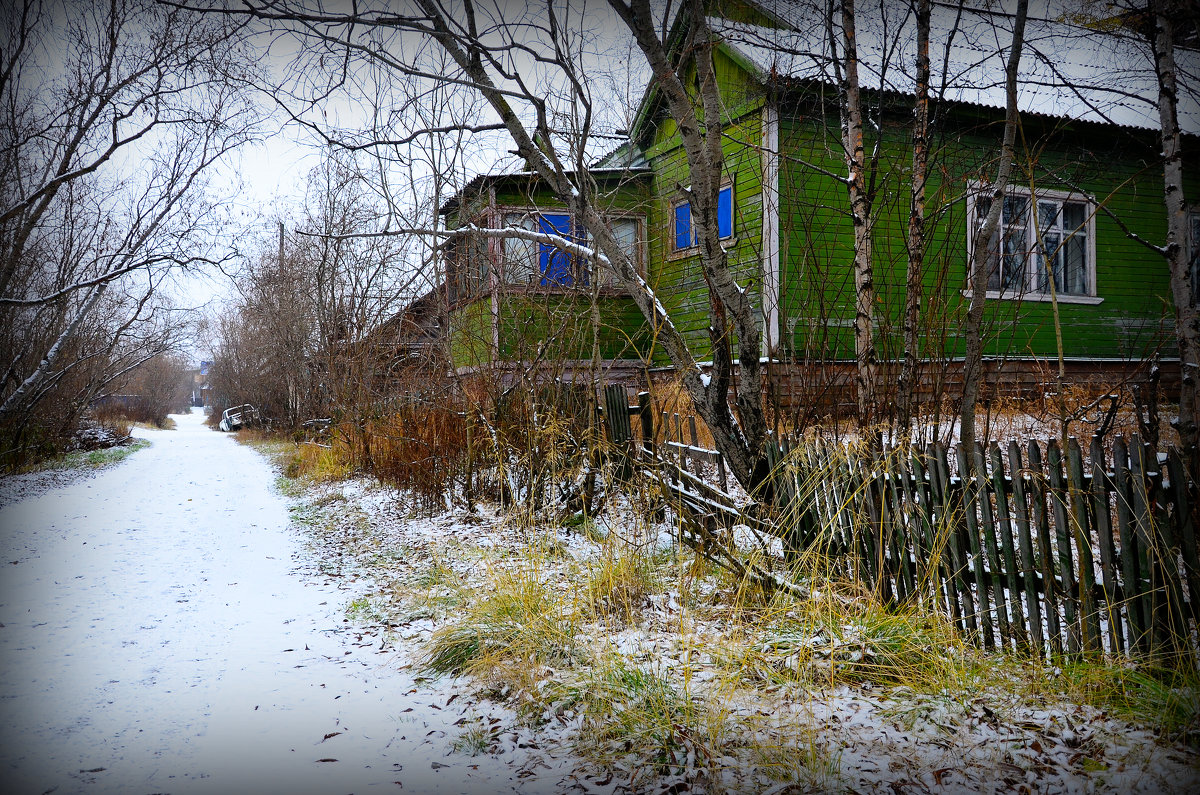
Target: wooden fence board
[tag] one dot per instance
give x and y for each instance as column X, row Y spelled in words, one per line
column 1090, row 620
column 1027, row 564
column 1044, row 551
column 950, row 503
column 1102, row 517
column 1185, row 523
column 1062, row 537
column 971, row 499
column 1131, row 582
column 988, row 526
column 1004, row 530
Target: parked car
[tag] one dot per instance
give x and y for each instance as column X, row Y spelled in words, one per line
column 235, row 417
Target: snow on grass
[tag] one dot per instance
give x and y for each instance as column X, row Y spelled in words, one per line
column 608, row 660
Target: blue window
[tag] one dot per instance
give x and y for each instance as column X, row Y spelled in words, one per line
column 685, row 235
column 725, row 212
column 557, row 266
column 683, row 226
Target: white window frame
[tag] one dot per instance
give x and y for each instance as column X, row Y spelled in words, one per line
column 979, row 191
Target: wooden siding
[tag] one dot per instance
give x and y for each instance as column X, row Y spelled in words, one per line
column 676, row 276
column 1116, row 168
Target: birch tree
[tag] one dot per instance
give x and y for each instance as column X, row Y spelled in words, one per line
column 1179, row 249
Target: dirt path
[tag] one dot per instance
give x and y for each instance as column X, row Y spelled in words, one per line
column 155, row 636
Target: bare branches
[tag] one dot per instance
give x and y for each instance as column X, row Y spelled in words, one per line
column 111, row 114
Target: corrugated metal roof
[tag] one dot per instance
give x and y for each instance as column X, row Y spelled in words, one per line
column 1067, row 71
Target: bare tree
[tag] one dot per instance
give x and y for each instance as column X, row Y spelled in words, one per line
column 845, row 67
column 510, row 63
column 1180, row 248
column 986, row 231
column 112, row 115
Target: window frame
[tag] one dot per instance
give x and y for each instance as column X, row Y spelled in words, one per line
column 673, row 221
column 979, row 192
column 535, row 214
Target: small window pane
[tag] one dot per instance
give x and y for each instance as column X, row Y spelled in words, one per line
column 520, row 255
column 683, row 226
column 1048, row 215
column 1074, row 216
column 1075, row 270
column 725, row 212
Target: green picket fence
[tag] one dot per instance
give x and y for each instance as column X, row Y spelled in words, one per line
column 1026, row 548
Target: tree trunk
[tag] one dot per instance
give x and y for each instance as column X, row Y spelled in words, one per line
column 860, row 211
column 910, row 367
column 973, row 328
column 1187, row 317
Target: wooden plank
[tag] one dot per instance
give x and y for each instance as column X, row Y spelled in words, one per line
column 616, row 410
column 894, row 474
column 1045, row 554
column 683, row 459
column 1102, row 520
column 949, row 508
column 849, row 501
column 1131, row 580
column 987, row 523
column 694, row 438
column 1027, row 565
column 932, row 570
column 1062, row 536
column 872, row 496
column 1082, row 526
column 1170, row 607
column 1004, row 530
column 1151, row 596
column 970, row 502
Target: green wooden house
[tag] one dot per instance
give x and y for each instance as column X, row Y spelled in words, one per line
column 1070, row 273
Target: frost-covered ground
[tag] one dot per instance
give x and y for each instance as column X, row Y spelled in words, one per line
column 173, row 624
column 776, row 732
column 161, row 631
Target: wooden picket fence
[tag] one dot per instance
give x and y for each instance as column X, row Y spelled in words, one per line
column 1026, row 549
column 1029, row 548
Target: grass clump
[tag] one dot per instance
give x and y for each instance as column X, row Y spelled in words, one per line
column 640, row 718
column 521, row 620
column 620, row 581
column 1166, row 698
column 834, row 642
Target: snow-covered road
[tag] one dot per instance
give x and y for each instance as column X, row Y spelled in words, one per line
column 155, row 637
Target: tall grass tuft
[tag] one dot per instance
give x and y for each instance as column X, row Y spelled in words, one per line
column 520, row 620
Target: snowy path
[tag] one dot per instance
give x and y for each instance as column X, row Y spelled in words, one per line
column 154, row 637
